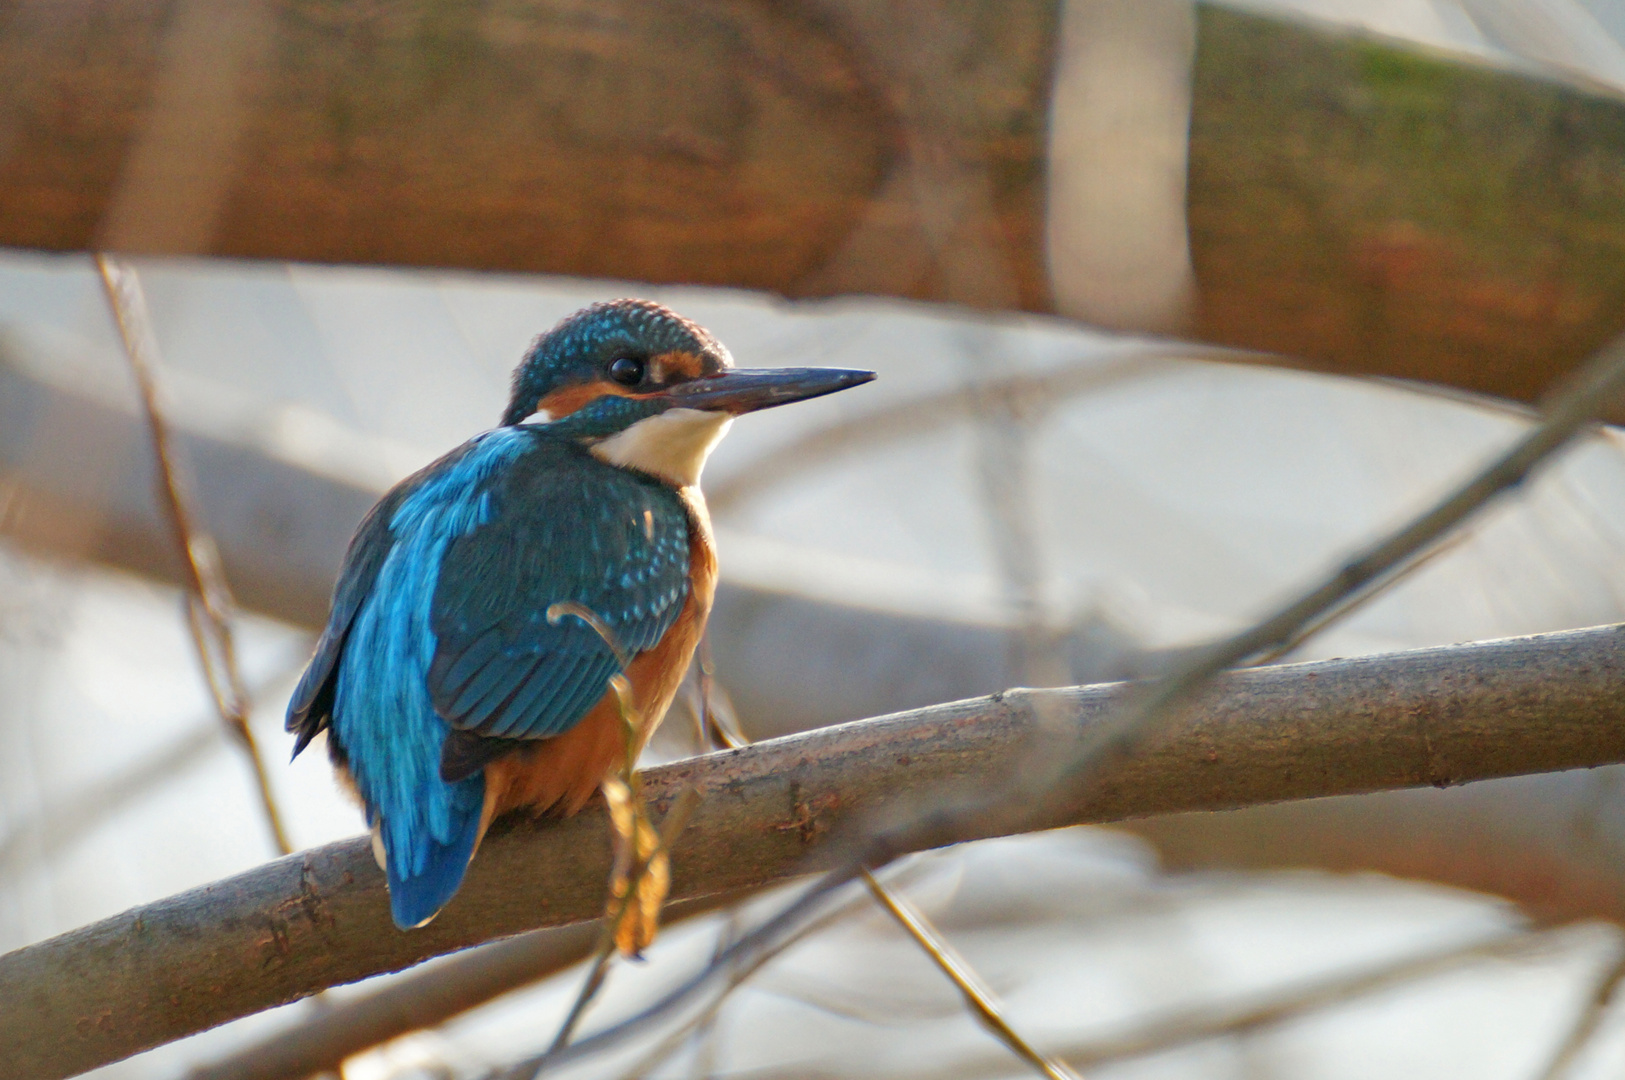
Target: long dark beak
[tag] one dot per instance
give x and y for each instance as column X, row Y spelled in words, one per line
column 743, row 390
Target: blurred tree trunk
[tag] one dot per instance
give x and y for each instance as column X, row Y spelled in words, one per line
column 1348, row 203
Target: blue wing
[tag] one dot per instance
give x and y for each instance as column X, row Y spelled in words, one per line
column 439, row 627
column 571, row 529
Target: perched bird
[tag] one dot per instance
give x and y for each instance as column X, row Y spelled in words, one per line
column 448, row 694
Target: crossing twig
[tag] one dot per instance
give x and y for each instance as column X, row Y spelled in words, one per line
column 977, row 997
column 210, row 609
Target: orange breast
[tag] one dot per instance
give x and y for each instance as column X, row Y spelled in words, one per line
column 561, row 773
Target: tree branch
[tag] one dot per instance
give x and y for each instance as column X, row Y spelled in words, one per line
column 321, row 1043
column 852, row 164
column 320, row 918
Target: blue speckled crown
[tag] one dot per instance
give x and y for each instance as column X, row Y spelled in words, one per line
column 581, row 344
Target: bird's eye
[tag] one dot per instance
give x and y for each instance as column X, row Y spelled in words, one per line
column 626, row 370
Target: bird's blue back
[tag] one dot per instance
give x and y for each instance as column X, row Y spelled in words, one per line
column 439, row 625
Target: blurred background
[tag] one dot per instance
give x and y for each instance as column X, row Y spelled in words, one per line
column 1172, row 306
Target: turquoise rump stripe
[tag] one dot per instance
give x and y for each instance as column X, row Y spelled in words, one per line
column 382, row 713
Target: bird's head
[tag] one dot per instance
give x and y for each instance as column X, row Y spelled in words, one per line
column 648, row 389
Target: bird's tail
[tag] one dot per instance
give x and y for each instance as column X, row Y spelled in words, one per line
column 425, row 867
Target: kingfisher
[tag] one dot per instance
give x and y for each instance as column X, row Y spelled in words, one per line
column 449, row 693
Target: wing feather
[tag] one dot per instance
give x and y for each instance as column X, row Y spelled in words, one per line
column 463, row 668
column 564, row 527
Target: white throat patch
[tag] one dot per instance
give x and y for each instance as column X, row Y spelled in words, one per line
column 672, row 445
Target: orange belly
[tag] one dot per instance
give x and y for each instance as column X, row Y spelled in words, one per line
column 563, row 772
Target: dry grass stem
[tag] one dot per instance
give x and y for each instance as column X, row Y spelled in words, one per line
column 556, row 612
column 640, row 868
column 640, row 864
column 640, row 873
column 210, row 608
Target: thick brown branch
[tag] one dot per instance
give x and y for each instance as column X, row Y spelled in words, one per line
column 834, row 147
column 292, row 927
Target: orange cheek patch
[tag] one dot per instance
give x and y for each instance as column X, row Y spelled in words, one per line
column 567, row 399
column 676, row 365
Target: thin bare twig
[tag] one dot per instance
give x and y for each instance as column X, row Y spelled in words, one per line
column 210, row 608
column 1291, row 1003
column 666, row 1047
column 590, row 986
column 1003, row 413
column 1269, row 1009
column 1588, row 1020
column 426, row 999
column 703, row 1033
column 977, row 997
column 1355, row 601
column 1582, row 399
column 671, row 828
column 703, row 1027
column 1061, row 777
